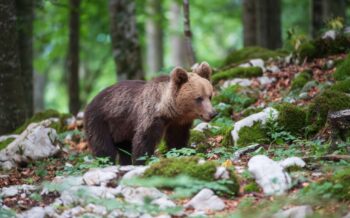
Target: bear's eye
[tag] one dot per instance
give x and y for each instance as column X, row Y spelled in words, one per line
column 199, row 99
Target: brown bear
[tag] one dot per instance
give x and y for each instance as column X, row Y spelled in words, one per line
column 130, row 118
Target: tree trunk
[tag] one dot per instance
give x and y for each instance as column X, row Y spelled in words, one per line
column 125, row 42
column 249, row 23
column 177, row 39
column 333, row 9
column 25, row 13
column 188, row 34
column 73, row 56
column 269, row 23
column 154, row 31
column 12, row 101
column 317, row 21
column 39, row 90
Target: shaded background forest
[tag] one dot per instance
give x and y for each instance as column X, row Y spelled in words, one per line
column 62, row 53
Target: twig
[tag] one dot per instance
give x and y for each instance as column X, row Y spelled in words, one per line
column 245, row 150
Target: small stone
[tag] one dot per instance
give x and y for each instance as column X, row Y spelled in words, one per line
column 206, row 200
column 37, row 212
column 292, row 161
column 202, row 126
column 258, row 63
column 137, row 195
column 237, row 81
column 304, row 96
column 221, row 173
column 295, row 212
column 9, row 191
column 331, row 34
column 100, row 176
column 264, row 80
column 96, row 209
column 347, row 215
column 139, row 171
column 164, row 203
column 273, row 69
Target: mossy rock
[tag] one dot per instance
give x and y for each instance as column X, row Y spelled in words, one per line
column 200, row 140
column 227, row 141
column 172, row 167
column 321, row 105
column 248, row 53
column 5, row 143
column 252, row 134
column 237, row 72
column 292, row 118
column 301, row 79
column 343, row 70
column 251, row 187
column 59, row 126
column 342, row 86
column 307, row 50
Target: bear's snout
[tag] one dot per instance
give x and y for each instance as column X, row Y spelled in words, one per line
column 213, row 114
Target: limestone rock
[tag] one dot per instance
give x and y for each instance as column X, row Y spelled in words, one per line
column 101, row 176
column 295, row 212
column 206, row 200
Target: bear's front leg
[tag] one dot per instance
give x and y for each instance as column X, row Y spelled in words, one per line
column 177, row 135
column 146, row 139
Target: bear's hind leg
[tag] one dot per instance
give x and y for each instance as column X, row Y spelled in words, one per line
column 124, row 152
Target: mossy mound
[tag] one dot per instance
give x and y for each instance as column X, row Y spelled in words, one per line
column 292, row 118
column 248, row 53
column 250, row 111
column 200, row 139
column 253, row 134
column 251, row 187
column 6, row 142
column 341, row 181
column 325, row 102
column 301, row 79
column 307, row 50
column 189, row 166
column 59, row 126
column 343, row 70
column 237, row 72
column 342, row 86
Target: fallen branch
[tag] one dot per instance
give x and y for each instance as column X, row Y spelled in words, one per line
column 331, row 157
column 245, row 150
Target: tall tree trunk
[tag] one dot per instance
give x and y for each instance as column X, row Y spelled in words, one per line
column 177, row 39
column 125, row 42
column 154, row 31
column 73, row 56
column 188, row 34
column 249, row 22
column 317, row 21
column 39, row 90
column 25, row 13
column 269, row 23
column 12, row 101
column 334, row 8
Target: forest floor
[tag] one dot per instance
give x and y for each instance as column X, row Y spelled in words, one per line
column 316, row 185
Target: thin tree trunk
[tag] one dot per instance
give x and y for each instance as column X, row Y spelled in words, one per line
column 177, row 38
column 154, row 31
column 25, row 13
column 269, row 23
column 187, row 30
column 125, row 42
column 12, row 101
column 334, row 8
column 317, row 21
column 73, row 57
column 39, row 90
column 249, row 23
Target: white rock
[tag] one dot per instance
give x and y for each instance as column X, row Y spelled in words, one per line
column 80, row 115
column 72, row 212
column 245, row 65
column 163, row 203
column 347, row 215
column 96, row 209
column 127, row 168
column 138, row 171
column 273, row 69
column 221, row 173
column 202, row 126
column 137, row 195
column 37, row 212
column 36, row 142
column 5, row 137
column 258, row 63
column 292, row 161
column 264, row 80
column 329, row 34
column 269, row 175
column 237, row 81
column 295, row 212
column 101, row 176
column 16, row 189
column 249, row 121
column 206, row 200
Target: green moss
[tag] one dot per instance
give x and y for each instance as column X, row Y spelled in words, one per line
column 342, row 86
column 301, row 79
column 251, row 187
column 343, row 70
column 226, row 133
column 162, row 147
column 254, row 134
column 341, row 181
column 6, row 142
column 237, row 72
column 292, row 118
column 248, row 53
column 250, row 111
column 40, row 116
column 200, row 140
column 322, row 104
column 307, row 50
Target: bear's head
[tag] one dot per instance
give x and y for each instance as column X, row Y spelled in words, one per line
column 192, row 93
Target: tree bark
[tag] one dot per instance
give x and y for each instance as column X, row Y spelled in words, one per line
column 317, row 21
column 177, row 38
column 125, row 42
column 269, row 23
column 154, row 31
column 40, row 81
column 188, row 34
column 25, row 13
column 334, row 8
column 249, row 23
column 12, row 101
column 73, row 56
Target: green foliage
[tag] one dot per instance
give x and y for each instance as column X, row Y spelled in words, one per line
column 307, row 50
column 276, row 133
column 5, row 143
column 342, row 86
column 251, row 110
column 6, row 213
column 322, row 104
column 292, row 118
column 251, row 187
column 248, row 53
column 237, row 72
column 182, row 152
column 254, row 134
column 301, row 79
column 343, row 70
column 200, row 140
column 59, row 126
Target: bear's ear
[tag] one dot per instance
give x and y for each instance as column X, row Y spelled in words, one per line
column 179, row 76
column 203, row 70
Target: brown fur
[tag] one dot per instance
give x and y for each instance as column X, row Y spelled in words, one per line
column 133, row 116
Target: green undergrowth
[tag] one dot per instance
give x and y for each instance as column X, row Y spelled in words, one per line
column 59, row 126
column 343, row 70
column 291, row 117
column 5, row 143
column 342, row 86
column 301, row 79
column 253, row 134
column 237, row 72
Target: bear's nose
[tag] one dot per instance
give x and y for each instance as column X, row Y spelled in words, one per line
column 213, row 114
